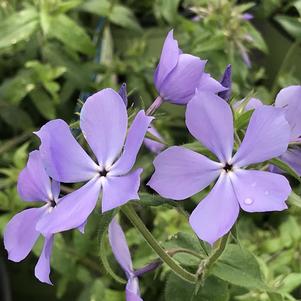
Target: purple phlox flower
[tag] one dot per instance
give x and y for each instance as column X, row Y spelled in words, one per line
column 154, row 146
column 247, row 104
column 244, row 55
column 179, row 74
column 247, row 16
column 289, row 98
column 181, row 173
column 103, row 121
column 123, row 94
column 20, row 233
column 122, row 254
column 226, row 81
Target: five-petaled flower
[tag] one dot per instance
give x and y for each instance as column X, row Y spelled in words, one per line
column 181, row 173
column 122, row 254
column 103, row 121
column 178, row 74
column 21, row 234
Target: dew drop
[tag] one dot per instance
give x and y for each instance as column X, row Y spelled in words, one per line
column 248, row 201
column 253, row 184
column 266, row 193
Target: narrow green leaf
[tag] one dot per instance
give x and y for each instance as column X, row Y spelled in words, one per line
column 291, row 25
column 98, row 7
column 43, row 103
column 294, row 199
column 18, row 27
column 71, row 34
column 123, row 16
column 148, row 199
column 285, row 167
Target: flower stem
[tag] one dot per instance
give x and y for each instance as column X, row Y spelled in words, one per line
column 154, row 106
column 129, row 211
column 218, row 251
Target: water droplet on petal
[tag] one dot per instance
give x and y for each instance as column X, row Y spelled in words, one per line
column 248, row 201
column 266, row 193
column 253, row 184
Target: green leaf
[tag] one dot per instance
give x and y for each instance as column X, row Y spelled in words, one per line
column 18, row 27
column 123, row 16
column 148, row 199
column 297, row 5
column 178, row 290
column 168, row 9
column 291, row 25
column 290, row 282
column 258, row 40
column 188, row 241
column 275, row 296
column 13, row 90
column 93, row 292
column 43, row 103
column 243, row 119
column 16, row 117
column 70, row 34
column 98, row 7
column 285, row 167
column 238, row 266
column 294, row 199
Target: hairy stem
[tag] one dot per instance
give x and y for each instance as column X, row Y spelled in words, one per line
column 218, row 251
column 165, row 257
column 154, row 106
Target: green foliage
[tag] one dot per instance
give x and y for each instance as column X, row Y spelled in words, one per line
column 54, row 51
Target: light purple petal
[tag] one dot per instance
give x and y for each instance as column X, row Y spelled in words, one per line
column 123, row 94
column 55, row 188
column 267, row 136
column 260, row 191
column 179, row 86
column 132, row 145
column 209, row 119
column 154, row 146
column 216, row 213
column 63, row 157
column 181, row 173
column 81, row 228
column 120, row 248
column 251, row 104
column 290, row 99
column 42, row 269
column 103, row 120
column 132, row 290
column 72, row 210
column 33, row 182
column 168, row 60
column 226, row 81
column 209, row 84
column 119, row 190
column 247, row 16
column 20, row 233
column 293, row 157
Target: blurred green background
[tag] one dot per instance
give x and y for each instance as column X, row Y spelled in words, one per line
column 53, row 53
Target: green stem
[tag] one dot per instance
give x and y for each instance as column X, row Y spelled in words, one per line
column 14, row 141
column 283, row 65
column 218, row 251
column 173, row 252
column 165, row 257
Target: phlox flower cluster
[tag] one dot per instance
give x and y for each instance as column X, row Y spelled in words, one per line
column 107, row 170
